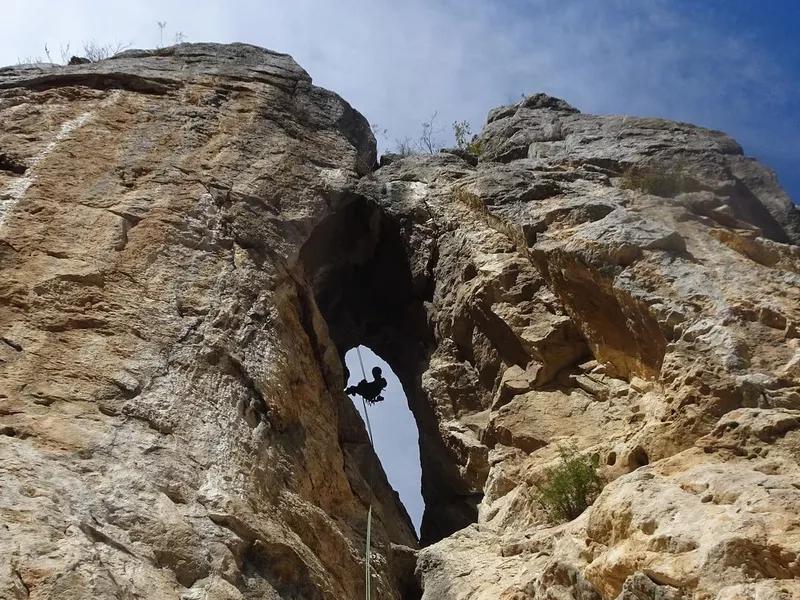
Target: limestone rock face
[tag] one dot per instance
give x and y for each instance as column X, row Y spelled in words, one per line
column 573, row 303
column 170, row 407
column 192, row 238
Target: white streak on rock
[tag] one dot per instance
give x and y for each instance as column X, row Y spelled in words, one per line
column 13, row 193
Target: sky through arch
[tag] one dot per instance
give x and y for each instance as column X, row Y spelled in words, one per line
column 395, row 433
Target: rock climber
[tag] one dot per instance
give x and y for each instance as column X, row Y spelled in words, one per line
column 369, row 390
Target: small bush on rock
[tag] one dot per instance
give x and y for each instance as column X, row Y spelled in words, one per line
column 462, row 133
column 96, row 52
column 405, row 147
column 571, row 486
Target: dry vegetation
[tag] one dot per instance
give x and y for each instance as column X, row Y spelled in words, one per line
column 665, row 182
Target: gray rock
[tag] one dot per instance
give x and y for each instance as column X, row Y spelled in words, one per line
column 640, row 587
column 551, row 132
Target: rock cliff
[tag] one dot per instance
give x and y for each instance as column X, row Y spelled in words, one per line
column 192, row 238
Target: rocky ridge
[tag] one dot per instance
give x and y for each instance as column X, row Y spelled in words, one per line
column 192, row 238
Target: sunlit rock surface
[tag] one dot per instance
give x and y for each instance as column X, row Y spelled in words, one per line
column 192, row 238
column 170, row 407
column 656, row 332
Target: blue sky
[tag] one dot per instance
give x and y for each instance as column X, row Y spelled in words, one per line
column 732, row 65
column 395, row 432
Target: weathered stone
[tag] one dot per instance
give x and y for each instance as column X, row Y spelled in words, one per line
column 640, row 587
column 170, row 399
column 555, row 135
column 191, row 239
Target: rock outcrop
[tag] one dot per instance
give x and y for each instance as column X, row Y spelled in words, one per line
column 170, row 406
column 650, row 329
column 192, row 238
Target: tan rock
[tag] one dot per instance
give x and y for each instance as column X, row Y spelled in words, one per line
column 167, row 430
column 192, row 238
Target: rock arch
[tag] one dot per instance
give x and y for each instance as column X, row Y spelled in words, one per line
column 358, row 265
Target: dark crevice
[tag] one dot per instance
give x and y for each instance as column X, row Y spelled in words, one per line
column 638, row 458
column 95, row 535
column 98, row 81
column 133, row 220
column 749, row 208
column 25, row 588
column 77, row 322
column 12, row 165
column 128, row 393
column 11, row 344
column 306, row 313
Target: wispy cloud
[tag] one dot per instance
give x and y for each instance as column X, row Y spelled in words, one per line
column 400, row 61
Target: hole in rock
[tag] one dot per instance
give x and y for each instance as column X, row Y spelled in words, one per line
column 357, row 263
column 12, row 165
column 638, row 458
column 394, row 431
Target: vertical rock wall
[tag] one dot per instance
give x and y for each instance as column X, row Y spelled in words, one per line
column 632, row 287
column 191, row 238
column 170, row 402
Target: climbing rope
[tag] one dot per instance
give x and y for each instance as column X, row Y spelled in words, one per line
column 367, row 552
column 364, row 402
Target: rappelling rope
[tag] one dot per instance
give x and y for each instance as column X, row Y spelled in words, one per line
column 367, row 551
column 364, row 402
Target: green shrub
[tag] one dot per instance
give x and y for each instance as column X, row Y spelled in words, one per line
column 475, row 148
column 462, row 132
column 571, row 486
column 658, row 182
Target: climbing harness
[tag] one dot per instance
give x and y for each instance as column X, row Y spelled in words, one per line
column 367, row 552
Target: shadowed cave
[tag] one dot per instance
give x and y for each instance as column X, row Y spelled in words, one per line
column 358, row 266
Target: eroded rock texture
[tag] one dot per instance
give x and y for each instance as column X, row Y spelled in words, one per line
column 191, row 239
column 172, row 421
column 657, row 332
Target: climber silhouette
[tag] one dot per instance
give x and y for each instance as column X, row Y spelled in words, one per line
column 369, row 390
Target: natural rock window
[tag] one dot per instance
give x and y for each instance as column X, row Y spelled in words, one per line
column 357, row 265
column 395, row 433
column 638, row 458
